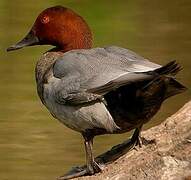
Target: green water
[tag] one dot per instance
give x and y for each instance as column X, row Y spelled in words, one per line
column 34, row 146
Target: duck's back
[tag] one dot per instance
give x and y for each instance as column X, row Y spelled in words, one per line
column 101, row 65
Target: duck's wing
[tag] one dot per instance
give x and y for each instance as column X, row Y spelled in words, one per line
column 86, row 75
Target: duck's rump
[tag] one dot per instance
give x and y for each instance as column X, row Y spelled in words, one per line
column 135, row 104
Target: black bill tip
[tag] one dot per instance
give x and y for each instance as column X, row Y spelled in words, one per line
column 13, row 47
column 29, row 40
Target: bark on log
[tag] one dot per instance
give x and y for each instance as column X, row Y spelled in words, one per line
column 167, row 158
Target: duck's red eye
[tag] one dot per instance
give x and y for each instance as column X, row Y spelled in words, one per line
column 45, row 19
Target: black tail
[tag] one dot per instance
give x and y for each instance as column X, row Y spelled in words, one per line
column 170, row 70
column 174, row 88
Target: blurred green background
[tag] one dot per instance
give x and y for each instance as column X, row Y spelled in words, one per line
column 34, row 146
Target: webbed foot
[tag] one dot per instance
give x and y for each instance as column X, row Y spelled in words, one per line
column 82, row 171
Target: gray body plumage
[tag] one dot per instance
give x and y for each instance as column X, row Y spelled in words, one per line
column 72, row 84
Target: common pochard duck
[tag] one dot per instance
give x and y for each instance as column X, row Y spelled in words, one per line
column 95, row 91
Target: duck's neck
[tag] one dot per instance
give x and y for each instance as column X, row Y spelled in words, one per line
column 76, row 45
column 80, row 42
column 68, row 47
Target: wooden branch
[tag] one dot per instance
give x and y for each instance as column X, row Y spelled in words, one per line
column 168, row 157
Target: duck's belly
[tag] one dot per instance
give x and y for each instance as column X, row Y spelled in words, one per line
column 79, row 118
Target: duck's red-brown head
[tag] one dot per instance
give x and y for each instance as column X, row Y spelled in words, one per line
column 60, row 27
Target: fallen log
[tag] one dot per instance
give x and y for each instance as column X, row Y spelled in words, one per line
column 165, row 156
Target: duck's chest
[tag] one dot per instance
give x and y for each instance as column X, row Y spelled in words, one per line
column 43, row 70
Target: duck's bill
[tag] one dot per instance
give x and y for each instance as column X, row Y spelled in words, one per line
column 29, row 40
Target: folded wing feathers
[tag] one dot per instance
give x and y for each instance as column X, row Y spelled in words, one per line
column 101, row 70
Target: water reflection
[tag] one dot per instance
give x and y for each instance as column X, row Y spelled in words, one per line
column 32, row 144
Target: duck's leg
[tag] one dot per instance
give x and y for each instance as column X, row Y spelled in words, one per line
column 91, row 167
column 136, row 139
column 119, row 150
